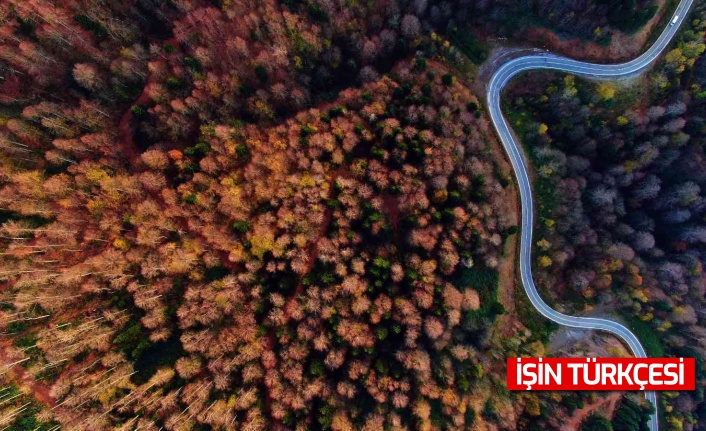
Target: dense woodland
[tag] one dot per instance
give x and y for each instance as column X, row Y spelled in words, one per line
column 619, row 172
column 177, row 254
column 590, row 20
column 277, row 215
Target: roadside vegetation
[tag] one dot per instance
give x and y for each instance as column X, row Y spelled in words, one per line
column 270, row 215
column 623, row 228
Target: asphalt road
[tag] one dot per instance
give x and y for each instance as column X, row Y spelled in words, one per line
column 591, row 71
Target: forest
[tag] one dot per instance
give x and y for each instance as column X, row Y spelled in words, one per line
column 294, row 215
column 187, row 246
column 620, row 180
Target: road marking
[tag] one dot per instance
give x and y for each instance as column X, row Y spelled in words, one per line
column 597, row 71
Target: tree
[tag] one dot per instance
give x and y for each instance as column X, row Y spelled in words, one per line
column 410, row 26
column 596, row 422
column 87, row 76
column 155, row 159
column 631, row 416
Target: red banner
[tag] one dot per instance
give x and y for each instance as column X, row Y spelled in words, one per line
column 601, row 374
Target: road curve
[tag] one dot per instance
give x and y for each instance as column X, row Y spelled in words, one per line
column 591, row 71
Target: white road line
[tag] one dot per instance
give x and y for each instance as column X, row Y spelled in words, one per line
column 591, row 71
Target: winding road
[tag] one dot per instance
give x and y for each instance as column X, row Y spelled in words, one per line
column 549, row 61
